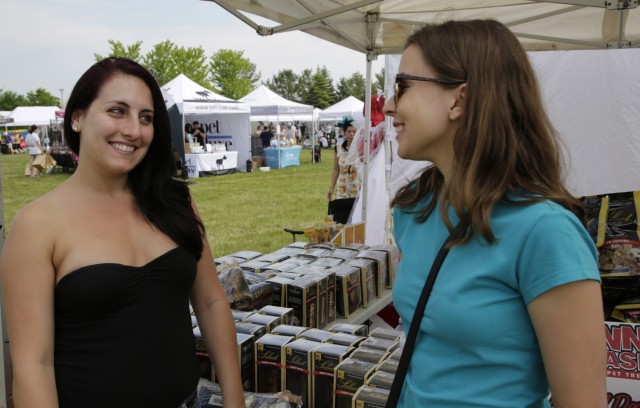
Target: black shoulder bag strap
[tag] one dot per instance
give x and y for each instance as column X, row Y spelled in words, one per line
column 410, row 342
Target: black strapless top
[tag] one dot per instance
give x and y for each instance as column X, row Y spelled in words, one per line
column 123, row 335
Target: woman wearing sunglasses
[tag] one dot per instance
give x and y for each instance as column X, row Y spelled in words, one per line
column 516, row 310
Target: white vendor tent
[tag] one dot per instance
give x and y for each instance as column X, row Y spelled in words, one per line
column 268, row 106
column 223, row 119
column 350, row 105
column 376, row 27
column 33, row 115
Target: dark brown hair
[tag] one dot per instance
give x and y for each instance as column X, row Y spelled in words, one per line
column 505, row 142
column 162, row 199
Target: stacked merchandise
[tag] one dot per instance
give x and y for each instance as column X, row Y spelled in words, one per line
column 344, row 366
column 320, row 282
column 612, row 221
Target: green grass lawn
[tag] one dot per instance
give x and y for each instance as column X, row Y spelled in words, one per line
column 242, row 211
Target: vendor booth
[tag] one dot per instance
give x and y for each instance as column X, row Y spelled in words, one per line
column 267, row 106
column 225, row 122
column 349, row 106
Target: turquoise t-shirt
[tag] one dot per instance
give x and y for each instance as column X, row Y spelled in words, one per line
column 477, row 346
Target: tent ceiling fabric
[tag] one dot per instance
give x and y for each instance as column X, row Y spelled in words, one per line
column 381, row 26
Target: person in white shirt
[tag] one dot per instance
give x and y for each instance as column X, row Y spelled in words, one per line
column 33, row 146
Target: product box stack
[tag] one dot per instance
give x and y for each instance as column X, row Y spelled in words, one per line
column 613, row 223
column 343, row 366
column 320, row 282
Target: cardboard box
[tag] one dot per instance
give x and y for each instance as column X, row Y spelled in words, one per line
column 270, row 360
column 367, row 278
column 317, row 335
column 279, row 285
column 344, row 253
column 256, row 330
column 323, row 302
column 302, row 297
column 380, row 268
column 350, row 376
column 284, row 313
column 388, row 334
column 289, row 330
column 389, row 366
column 283, row 266
column 348, row 290
column 370, row 397
column 393, row 260
column 299, row 369
column 331, row 294
column 44, row 162
column 256, row 162
column 272, row 258
column 269, row 322
column 246, row 356
column 355, row 329
column 388, row 346
column 240, row 315
column 345, row 339
column 381, row 379
column 326, row 358
column 369, row 355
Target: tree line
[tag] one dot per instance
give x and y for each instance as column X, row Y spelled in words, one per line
column 226, row 72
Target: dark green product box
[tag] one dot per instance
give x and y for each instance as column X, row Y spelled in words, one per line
column 256, row 330
column 367, row 277
column 323, row 300
column 369, row 355
column 380, row 344
column 306, row 269
column 299, row 369
column 283, row 266
column 355, row 329
column 348, row 290
column 370, row 397
column 289, row 330
column 380, row 268
column 204, row 362
column 269, row 322
column 270, row 363
column 246, row 255
column 317, row 335
column 327, row 262
column 246, row 357
column 240, row 315
column 381, row 379
column 254, row 266
column 349, row 377
column 279, row 285
column 345, row 339
column 331, row 294
column 284, row 313
column 344, row 253
column 393, row 260
column 302, row 297
column 326, row 358
column 388, row 334
column 389, row 366
column 272, row 258
column 302, row 259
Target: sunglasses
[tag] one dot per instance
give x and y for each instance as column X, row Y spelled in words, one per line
column 398, row 90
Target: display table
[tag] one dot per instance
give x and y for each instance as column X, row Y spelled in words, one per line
column 282, row 157
column 211, row 163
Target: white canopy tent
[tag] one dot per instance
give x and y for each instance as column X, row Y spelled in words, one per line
column 33, row 115
column 223, row 119
column 376, row 27
column 350, row 105
column 267, row 106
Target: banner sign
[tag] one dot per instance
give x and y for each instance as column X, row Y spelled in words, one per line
column 623, row 365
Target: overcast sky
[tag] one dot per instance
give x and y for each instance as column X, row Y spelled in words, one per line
column 50, row 43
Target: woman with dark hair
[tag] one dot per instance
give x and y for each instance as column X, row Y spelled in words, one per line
column 345, row 180
column 516, row 310
column 188, row 132
column 98, row 313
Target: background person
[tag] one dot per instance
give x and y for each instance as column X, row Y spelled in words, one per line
column 198, row 134
column 345, row 180
column 107, row 305
column 32, row 142
column 188, row 132
column 516, row 308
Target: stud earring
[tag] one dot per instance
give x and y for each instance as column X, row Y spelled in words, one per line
column 75, row 128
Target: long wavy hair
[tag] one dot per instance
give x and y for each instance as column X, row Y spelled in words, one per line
column 505, row 142
column 163, row 200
